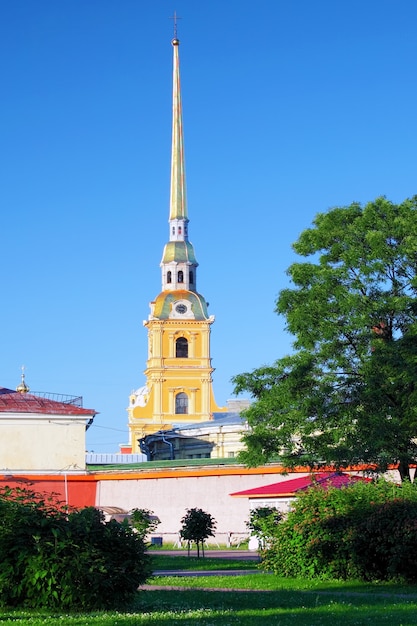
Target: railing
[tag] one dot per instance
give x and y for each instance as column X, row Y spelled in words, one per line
column 228, row 539
column 59, row 397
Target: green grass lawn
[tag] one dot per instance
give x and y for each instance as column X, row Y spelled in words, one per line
column 163, row 562
column 256, row 599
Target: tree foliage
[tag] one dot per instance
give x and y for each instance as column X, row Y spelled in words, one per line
column 262, row 523
column 348, row 392
column 197, row 526
column 144, row 522
column 366, row 531
column 59, row 559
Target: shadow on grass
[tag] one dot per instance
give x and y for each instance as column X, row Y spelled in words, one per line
column 239, row 608
column 268, row 582
column 309, row 608
column 163, row 562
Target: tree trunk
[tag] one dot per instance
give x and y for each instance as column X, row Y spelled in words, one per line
column 404, row 470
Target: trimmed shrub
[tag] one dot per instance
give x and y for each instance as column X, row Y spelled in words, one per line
column 58, row 559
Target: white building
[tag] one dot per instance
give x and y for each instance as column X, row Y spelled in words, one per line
column 40, row 433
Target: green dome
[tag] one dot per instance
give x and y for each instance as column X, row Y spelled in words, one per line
column 164, row 303
column 180, row 252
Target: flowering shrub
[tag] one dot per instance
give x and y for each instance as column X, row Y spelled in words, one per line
column 365, row 531
column 385, row 544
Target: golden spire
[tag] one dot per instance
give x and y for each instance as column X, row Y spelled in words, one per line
column 178, row 263
column 178, row 201
column 23, row 388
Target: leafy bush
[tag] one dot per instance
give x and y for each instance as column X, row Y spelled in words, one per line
column 262, row 523
column 385, row 544
column 144, row 522
column 197, row 526
column 366, row 531
column 59, row 559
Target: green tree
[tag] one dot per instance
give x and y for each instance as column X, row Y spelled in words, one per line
column 348, row 392
column 197, row 526
column 262, row 523
column 144, row 522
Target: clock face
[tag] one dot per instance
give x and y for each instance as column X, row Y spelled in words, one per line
column 181, row 308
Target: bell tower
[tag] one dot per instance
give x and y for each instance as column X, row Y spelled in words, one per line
column 178, row 372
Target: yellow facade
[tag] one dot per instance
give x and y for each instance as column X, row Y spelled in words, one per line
column 172, row 378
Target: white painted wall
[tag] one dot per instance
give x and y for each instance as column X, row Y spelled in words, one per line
column 36, row 442
column 170, row 497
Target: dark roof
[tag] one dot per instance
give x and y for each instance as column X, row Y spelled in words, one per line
column 289, row 488
column 219, row 419
column 15, row 402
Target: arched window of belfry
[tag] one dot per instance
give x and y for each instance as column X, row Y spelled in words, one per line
column 169, row 277
column 180, row 276
column 191, row 278
column 181, row 348
column 181, row 403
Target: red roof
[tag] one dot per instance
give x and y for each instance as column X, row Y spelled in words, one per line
column 15, row 402
column 289, row 488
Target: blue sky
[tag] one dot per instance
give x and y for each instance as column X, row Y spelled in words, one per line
column 290, row 108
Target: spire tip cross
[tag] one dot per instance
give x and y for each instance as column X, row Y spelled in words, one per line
column 175, row 18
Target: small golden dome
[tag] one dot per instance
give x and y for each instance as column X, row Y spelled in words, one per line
column 22, row 388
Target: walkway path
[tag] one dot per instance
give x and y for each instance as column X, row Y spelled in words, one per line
column 241, row 555
column 195, row 573
column 222, row 589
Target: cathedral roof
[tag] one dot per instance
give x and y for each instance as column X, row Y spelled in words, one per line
column 166, row 299
column 15, row 402
column 219, row 419
column 179, row 251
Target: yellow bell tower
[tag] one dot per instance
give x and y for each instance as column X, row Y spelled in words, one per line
column 178, row 371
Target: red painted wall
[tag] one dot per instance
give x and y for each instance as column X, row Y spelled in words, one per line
column 77, row 491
